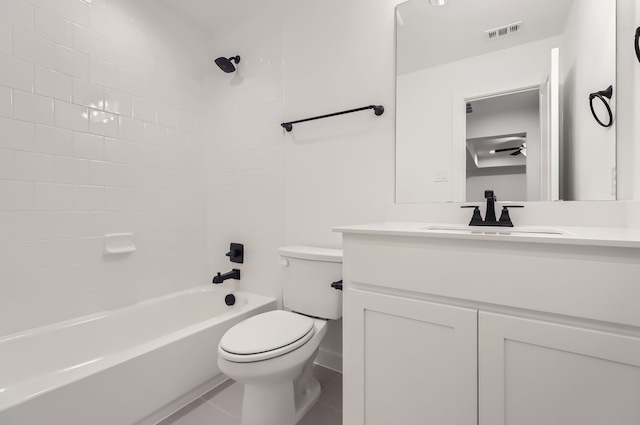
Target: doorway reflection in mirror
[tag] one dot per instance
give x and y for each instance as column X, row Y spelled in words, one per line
column 503, row 146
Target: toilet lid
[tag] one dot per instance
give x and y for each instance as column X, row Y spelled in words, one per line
column 267, row 335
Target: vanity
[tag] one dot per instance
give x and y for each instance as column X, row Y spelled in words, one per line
column 458, row 325
column 453, row 325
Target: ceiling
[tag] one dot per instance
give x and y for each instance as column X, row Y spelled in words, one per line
column 429, row 36
column 446, row 33
column 215, row 16
column 520, row 100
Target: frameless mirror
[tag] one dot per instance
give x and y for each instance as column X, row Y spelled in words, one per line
column 496, row 95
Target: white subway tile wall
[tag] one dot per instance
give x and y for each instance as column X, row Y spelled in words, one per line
column 245, row 183
column 101, row 131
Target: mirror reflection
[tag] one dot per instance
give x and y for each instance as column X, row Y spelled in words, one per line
column 495, row 95
column 503, row 146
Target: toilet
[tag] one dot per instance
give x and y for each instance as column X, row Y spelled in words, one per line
column 272, row 353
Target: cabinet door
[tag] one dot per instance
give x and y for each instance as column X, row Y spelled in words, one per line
column 533, row 372
column 408, row 362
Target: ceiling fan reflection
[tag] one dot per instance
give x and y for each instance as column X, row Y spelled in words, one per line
column 522, row 149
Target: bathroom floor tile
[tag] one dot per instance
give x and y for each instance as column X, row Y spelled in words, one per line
column 332, row 394
column 200, row 412
column 321, row 414
column 223, row 404
column 323, row 375
column 229, row 399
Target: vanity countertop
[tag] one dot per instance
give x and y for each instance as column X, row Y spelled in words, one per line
column 589, row 236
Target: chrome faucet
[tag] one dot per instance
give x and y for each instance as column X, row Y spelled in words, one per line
column 490, row 213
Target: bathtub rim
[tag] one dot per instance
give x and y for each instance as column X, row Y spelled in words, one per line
column 15, row 394
column 74, row 321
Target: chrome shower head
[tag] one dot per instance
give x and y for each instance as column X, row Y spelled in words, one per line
column 227, row 64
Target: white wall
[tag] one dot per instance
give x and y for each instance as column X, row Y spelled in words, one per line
column 510, row 187
column 424, row 125
column 338, row 170
column 588, row 65
column 101, row 122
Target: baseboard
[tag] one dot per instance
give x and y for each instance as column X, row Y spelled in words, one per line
column 329, row 360
column 182, row 401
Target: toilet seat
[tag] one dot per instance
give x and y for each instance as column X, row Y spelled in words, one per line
column 266, row 336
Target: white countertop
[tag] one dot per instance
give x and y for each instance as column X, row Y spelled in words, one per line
column 588, row 236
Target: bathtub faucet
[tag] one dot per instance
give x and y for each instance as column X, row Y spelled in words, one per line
column 233, row 274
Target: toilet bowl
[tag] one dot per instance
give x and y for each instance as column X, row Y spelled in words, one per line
column 278, row 386
column 272, row 353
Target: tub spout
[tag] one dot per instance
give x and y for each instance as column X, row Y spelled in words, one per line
column 233, row 274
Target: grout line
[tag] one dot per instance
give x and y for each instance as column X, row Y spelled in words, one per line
column 233, row 418
column 330, row 407
column 211, row 401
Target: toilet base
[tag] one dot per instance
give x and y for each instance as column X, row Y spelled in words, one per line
column 278, row 391
column 306, row 400
column 275, row 404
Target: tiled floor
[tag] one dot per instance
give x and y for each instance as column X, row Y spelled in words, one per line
column 222, row 405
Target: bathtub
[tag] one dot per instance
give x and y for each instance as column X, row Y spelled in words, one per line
column 134, row 365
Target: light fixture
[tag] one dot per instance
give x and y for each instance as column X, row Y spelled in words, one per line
column 438, row 2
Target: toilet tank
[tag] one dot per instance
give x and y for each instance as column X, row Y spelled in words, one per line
column 308, row 273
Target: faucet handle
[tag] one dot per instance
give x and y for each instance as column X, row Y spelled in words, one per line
column 477, row 217
column 504, row 216
column 236, row 253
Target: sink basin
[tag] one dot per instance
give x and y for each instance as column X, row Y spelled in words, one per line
column 516, row 231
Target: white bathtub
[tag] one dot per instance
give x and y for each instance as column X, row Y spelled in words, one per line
column 129, row 366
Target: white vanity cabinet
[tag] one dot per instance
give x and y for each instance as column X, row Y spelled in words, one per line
column 535, row 372
column 413, row 362
column 455, row 330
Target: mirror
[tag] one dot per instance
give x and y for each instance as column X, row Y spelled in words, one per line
column 503, row 146
column 495, row 95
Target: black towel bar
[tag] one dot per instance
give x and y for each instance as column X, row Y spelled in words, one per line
column 377, row 109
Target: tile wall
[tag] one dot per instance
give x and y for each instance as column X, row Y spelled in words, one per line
column 101, row 131
column 245, row 159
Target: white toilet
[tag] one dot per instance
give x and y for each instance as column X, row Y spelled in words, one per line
column 272, row 353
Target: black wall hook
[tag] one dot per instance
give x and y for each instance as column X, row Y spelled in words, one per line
column 602, row 94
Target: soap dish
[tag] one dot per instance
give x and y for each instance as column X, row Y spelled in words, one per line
column 119, row 243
